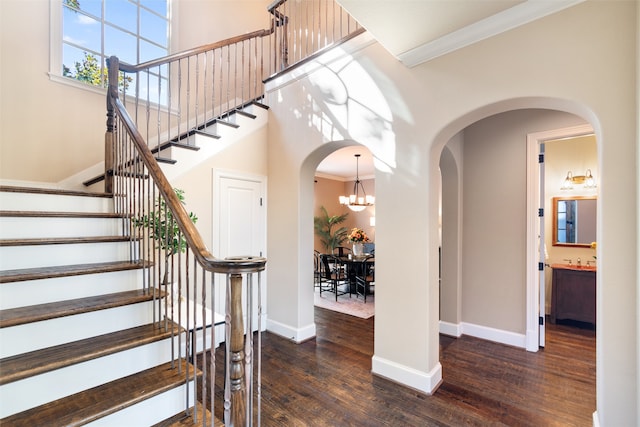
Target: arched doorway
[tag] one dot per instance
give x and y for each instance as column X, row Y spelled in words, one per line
column 335, row 176
column 487, row 240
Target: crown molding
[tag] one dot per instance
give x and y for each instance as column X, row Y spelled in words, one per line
column 496, row 24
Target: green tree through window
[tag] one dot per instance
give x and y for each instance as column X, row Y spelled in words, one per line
column 90, row 72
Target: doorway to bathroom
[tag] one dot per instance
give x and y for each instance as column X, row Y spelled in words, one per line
column 553, row 157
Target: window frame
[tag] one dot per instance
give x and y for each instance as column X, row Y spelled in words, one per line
column 57, row 44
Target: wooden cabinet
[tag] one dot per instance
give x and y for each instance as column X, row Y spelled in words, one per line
column 573, row 294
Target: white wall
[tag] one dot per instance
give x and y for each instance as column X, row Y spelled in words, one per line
column 494, row 216
column 49, row 130
column 198, row 183
column 582, row 60
column 548, row 64
column 38, row 141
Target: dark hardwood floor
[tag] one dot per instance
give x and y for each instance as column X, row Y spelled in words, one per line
column 328, row 381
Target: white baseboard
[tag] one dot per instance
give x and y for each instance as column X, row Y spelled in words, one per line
column 296, row 335
column 451, row 329
column 532, row 340
column 426, row 382
column 496, row 335
column 596, row 420
column 485, row 333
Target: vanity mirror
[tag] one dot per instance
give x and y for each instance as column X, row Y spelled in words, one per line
column 574, row 221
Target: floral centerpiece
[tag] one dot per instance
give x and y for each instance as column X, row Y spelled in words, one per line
column 358, row 237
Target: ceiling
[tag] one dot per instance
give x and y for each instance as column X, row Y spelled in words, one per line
column 341, row 164
column 416, row 31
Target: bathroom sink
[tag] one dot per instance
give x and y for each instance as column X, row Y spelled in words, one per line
column 575, row 267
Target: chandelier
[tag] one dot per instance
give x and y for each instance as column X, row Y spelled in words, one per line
column 355, row 201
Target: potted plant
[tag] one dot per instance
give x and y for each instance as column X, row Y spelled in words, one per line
column 323, row 226
column 164, row 230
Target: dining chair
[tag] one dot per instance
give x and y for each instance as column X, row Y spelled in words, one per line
column 333, row 276
column 365, row 277
column 317, row 269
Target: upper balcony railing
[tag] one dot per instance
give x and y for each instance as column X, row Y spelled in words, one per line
column 167, row 101
column 171, row 99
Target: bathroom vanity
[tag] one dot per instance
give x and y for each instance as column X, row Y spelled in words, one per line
column 573, row 293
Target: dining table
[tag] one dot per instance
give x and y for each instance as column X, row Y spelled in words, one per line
column 354, row 265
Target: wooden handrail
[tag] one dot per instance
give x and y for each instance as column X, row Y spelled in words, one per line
column 189, row 99
column 127, row 68
column 191, row 234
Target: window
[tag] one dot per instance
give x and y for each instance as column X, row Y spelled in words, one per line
column 92, row 30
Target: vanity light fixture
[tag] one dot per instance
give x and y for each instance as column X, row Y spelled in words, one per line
column 355, row 201
column 587, row 179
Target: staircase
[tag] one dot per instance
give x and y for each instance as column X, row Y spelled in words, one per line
column 78, row 341
column 196, row 146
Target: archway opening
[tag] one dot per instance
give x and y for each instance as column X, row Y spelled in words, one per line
column 335, row 176
column 485, row 244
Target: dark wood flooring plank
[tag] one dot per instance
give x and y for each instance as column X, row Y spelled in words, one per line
column 187, row 420
column 328, row 381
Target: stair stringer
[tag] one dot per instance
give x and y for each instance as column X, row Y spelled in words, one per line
column 221, row 137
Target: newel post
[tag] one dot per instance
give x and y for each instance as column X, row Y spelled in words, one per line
column 110, row 135
column 236, row 360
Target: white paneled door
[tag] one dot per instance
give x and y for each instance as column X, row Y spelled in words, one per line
column 239, row 223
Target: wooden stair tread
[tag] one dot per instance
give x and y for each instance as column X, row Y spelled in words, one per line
column 37, row 362
column 261, row 105
column 245, row 114
column 208, row 134
column 95, row 403
column 20, row 275
column 175, row 142
column 63, row 240
column 226, row 123
column 186, row 419
column 166, row 160
column 37, row 190
column 39, row 312
column 47, row 214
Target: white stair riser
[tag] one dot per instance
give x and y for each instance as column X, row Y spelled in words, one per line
column 34, row 391
column 37, row 335
column 38, row 227
column 16, row 257
column 151, row 411
column 31, row 292
column 200, row 339
column 10, row 201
